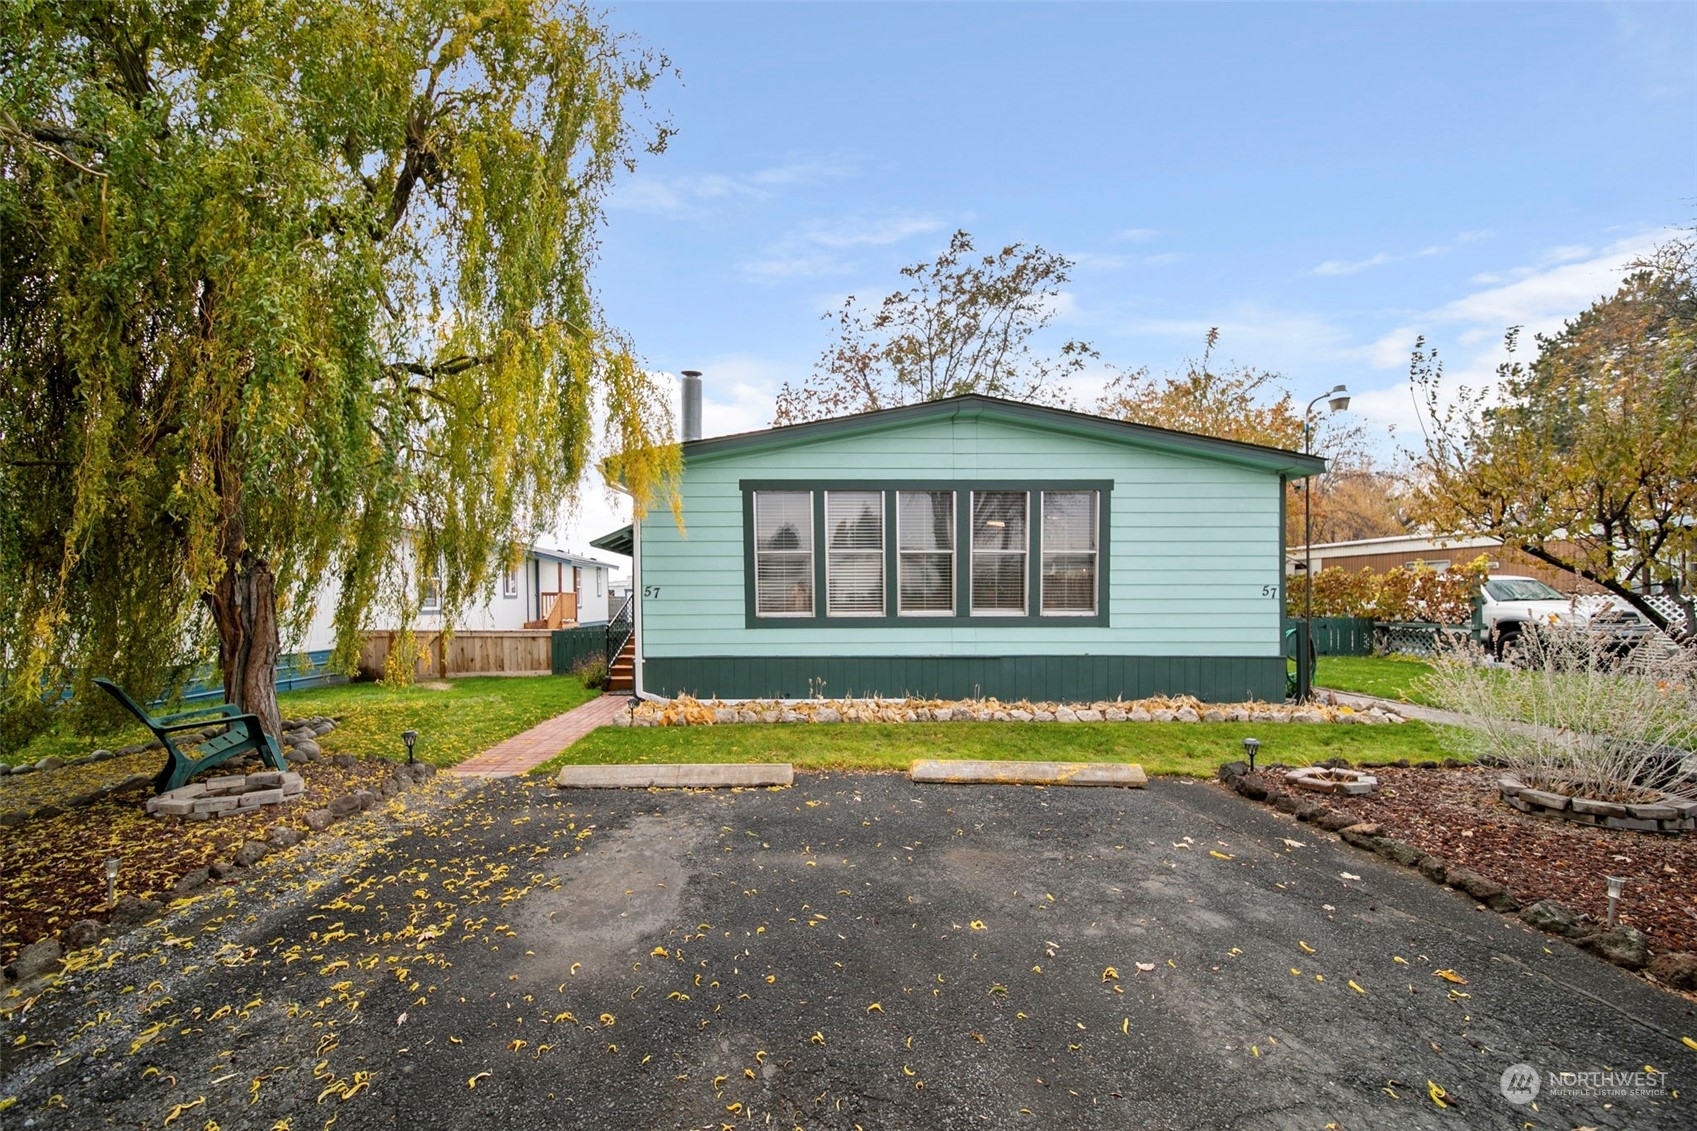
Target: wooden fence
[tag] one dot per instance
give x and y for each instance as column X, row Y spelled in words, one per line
column 513, row 652
column 571, row 646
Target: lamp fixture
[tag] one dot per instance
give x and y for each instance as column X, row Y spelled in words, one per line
column 1616, row 885
column 113, row 863
column 1251, row 746
column 410, row 738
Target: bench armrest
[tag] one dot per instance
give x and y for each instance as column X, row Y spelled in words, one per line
column 220, row 709
column 233, row 720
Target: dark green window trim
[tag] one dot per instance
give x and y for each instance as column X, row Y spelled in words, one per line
column 963, row 544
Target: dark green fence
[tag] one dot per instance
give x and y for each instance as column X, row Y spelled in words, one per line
column 1340, row 636
column 571, row 646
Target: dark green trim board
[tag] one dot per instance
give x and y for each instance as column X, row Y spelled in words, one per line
column 1067, row 679
column 619, row 541
column 962, row 616
column 975, row 407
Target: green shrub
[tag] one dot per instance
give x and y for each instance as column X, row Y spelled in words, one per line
column 592, row 671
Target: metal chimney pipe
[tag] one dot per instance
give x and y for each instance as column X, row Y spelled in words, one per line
column 692, row 404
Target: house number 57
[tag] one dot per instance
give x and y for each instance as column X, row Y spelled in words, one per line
column 651, row 591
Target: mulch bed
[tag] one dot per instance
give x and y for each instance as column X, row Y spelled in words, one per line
column 1457, row 815
column 52, row 871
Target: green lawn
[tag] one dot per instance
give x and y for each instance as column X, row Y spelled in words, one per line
column 453, row 723
column 1161, row 748
column 1388, row 677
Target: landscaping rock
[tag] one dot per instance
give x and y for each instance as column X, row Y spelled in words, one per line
column 1624, row 946
column 1333, row 821
column 323, row 727
column 345, row 806
column 132, row 911
column 1548, row 915
column 1434, row 868
column 84, row 932
column 1286, row 803
column 308, row 749
column 221, row 869
column 1398, row 850
column 284, row 837
column 1363, row 835
column 319, row 819
column 346, row 761
column 37, row 959
column 1233, row 770
column 191, row 881
column 252, row 853
column 1678, row 970
column 1249, row 785
column 1486, row 891
column 49, row 763
column 1311, row 812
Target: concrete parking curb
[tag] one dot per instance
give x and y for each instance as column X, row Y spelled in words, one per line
column 1028, row 773
column 676, row 775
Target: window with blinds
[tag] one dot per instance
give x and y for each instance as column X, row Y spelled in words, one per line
column 783, row 553
column 1069, row 553
column 925, row 547
column 999, row 546
column 854, row 553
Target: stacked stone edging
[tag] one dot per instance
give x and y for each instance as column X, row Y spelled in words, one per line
column 687, row 711
column 227, row 796
column 1621, row 945
column 1332, row 779
column 1667, row 814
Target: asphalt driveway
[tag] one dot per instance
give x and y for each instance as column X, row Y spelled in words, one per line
column 854, row 951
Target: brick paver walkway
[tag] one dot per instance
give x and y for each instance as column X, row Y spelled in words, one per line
column 542, row 741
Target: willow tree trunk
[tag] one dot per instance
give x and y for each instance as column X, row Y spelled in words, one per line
column 244, row 609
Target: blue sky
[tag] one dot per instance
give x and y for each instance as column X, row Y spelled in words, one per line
column 1322, row 182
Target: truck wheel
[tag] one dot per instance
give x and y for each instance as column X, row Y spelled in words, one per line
column 1507, row 643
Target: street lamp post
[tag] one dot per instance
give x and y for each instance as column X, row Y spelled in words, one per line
column 1337, row 399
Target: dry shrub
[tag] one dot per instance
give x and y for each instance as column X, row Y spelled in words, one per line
column 1576, row 715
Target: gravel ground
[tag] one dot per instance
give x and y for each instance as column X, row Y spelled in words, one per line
column 854, row 951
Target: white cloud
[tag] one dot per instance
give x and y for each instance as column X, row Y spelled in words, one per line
column 687, row 195
column 1380, row 259
column 864, row 232
column 1136, row 235
column 813, row 251
column 1350, row 267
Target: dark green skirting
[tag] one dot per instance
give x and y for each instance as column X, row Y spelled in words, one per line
column 1215, row 679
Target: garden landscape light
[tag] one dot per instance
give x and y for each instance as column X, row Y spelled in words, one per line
column 112, row 865
column 410, row 737
column 1616, row 885
column 1250, row 746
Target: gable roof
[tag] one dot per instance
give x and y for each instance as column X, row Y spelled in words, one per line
column 975, row 406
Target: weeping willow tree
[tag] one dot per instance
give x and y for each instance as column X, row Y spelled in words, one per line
column 292, row 291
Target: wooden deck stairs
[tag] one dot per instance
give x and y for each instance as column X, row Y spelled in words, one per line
column 621, row 677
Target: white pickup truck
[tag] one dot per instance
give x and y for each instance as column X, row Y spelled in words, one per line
column 1509, row 605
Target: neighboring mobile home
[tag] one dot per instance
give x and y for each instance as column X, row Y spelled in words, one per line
column 966, row 547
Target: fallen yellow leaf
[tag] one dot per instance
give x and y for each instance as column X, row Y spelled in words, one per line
column 1355, row 987
column 1437, row 1093
column 472, row 1083
column 1306, row 949
column 1450, row 976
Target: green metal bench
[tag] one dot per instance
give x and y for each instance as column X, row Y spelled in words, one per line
column 244, row 735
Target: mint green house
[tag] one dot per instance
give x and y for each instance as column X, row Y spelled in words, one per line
column 966, row 547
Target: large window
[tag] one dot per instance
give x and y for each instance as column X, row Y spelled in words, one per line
column 925, row 544
column 999, row 546
column 1069, row 553
column 854, row 553
column 830, row 554
column 783, row 553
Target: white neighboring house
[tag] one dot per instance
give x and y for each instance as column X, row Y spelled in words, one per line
column 549, row 588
